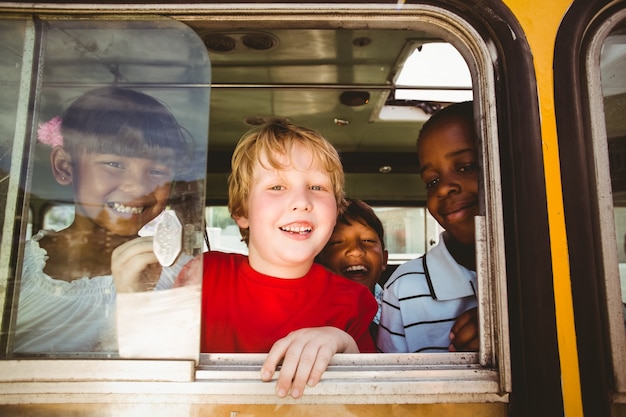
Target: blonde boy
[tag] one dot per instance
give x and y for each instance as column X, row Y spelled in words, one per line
column 285, row 191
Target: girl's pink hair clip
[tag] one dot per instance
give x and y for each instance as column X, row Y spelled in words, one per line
column 50, row 132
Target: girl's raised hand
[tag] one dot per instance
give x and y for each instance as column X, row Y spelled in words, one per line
column 305, row 354
column 134, row 266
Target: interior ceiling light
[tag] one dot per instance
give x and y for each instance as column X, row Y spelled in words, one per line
column 361, row 41
column 260, row 41
column 228, row 42
column 219, row 43
column 354, row 98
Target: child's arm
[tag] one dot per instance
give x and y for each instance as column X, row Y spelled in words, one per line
column 464, row 333
column 305, row 354
column 134, row 266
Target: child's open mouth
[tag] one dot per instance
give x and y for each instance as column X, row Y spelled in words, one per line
column 355, row 271
column 121, row 208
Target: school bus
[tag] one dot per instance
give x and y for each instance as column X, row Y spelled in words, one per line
column 548, row 81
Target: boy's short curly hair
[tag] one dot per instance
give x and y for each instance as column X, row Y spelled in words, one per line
column 274, row 138
column 463, row 110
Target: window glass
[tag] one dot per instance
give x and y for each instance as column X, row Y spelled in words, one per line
column 165, row 61
column 613, row 74
column 14, row 55
column 379, row 156
column 611, row 152
column 432, row 74
column 12, row 34
column 118, row 156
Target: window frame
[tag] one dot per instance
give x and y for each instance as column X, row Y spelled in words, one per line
column 383, row 378
column 602, row 183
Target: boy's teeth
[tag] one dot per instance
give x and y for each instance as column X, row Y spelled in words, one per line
column 355, row 268
column 293, row 229
column 121, row 208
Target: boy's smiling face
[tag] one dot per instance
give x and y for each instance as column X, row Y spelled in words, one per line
column 120, row 193
column 291, row 214
column 449, row 168
column 355, row 252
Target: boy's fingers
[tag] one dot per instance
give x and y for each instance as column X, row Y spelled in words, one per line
column 304, row 361
column 465, row 337
column 463, row 319
column 283, row 349
column 464, row 333
column 294, row 373
column 312, row 364
column 322, row 360
column 272, row 360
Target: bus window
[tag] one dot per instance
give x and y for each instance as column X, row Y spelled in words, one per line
column 260, row 69
column 613, row 84
column 15, row 34
column 117, row 154
column 374, row 127
column 12, row 51
column 612, row 70
column 606, row 69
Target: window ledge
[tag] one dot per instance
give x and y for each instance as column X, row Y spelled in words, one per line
column 235, row 379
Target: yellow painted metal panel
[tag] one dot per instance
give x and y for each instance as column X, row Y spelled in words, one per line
column 540, row 20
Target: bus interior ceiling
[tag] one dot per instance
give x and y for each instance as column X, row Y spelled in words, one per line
column 333, row 81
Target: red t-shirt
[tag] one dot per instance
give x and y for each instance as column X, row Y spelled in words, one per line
column 244, row 311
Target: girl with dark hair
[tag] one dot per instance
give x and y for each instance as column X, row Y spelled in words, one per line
column 120, row 151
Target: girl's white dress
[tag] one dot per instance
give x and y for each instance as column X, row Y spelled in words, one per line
column 64, row 317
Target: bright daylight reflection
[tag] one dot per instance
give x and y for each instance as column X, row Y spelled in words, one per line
column 435, row 65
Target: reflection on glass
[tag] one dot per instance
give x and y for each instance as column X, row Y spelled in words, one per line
column 118, row 173
column 119, row 151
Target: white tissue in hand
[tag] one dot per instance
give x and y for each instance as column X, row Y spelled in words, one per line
column 168, row 238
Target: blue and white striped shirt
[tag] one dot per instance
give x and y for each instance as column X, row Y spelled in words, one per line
column 421, row 301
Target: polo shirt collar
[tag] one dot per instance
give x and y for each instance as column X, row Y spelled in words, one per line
column 447, row 279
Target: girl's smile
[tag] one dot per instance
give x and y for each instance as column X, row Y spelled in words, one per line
column 121, row 208
column 120, row 193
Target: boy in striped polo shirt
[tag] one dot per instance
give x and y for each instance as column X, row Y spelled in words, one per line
column 429, row 303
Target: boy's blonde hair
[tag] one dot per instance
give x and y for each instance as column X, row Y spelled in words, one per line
column 274, row 138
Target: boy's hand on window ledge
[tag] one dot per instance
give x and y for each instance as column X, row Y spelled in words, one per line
column 305, row 355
